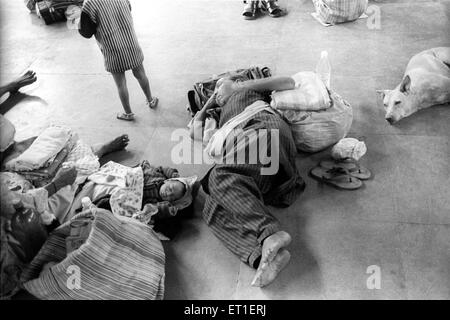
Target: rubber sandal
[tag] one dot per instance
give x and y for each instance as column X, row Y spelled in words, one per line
column 354, row 169
column 338, row 178
column 250, row 8
column 153, row 103
column 125, row 116
column 272, row 8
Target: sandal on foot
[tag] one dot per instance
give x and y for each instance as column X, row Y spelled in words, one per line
column 354, row 169
column 153, row 103
column 250, row 8
column 339, row 178
column 272, row 8
column 125, row 116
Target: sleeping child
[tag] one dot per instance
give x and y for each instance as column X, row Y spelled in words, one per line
column 164, row 188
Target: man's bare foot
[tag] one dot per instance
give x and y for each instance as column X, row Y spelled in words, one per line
column 272, row 244
column 267, row 272
column 26, row 79
column 117, row 144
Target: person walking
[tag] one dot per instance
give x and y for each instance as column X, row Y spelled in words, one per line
column 112, row 24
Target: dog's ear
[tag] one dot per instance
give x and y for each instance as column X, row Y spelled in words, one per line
column 383, row 93
column 405, row 85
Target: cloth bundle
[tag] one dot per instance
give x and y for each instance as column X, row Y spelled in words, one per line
column 314, row 131
column 338, row 11
column 348, row 148
column 122, row 259
column 41, row 177
column 310, row 94
column 43, row 150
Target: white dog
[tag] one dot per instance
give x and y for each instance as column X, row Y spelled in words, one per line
column 426, row 83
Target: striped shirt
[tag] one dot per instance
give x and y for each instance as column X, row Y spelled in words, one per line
column 113, row 27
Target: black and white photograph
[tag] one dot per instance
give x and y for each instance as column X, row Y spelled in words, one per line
column 228, row 151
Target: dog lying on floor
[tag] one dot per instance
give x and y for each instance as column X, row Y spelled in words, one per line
column 426, row 83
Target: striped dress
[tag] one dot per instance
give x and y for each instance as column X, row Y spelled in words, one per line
column 112, row 24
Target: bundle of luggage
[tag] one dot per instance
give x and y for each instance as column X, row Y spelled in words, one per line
column 318, row 117
column 52, row 11
column 331, row 12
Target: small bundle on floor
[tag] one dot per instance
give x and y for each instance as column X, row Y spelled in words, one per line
column 343, row 171
column 331, row 12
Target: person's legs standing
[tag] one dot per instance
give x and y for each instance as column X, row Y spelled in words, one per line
column 121, row 83
column 142, row 78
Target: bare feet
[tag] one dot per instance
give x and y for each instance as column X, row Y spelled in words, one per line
column 273, row 258
column 273, row 243
column 28, row 78
column 267, row 272
column 117, row 144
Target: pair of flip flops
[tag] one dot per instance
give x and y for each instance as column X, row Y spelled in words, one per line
column 347, row 175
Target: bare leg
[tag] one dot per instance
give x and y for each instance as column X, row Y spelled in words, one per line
column 117, row 144
column 121, row 83
column 28, row 78
column 139, row 74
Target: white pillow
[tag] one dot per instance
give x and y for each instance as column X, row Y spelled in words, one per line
column 310, row 94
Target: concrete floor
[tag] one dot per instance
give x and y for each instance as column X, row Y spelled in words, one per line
column 400, row 220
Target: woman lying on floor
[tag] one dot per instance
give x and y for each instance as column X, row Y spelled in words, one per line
column 50, row 202
column 238, row 193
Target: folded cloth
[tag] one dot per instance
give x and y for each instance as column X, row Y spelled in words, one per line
column 310, row 94
column 41, row 177
column 44, row 148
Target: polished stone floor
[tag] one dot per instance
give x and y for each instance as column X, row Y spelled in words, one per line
column 399, row 221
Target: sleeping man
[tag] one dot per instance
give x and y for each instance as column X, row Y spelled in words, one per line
column 239, row 190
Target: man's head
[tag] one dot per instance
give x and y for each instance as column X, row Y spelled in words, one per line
column 172, row 190
column 225, row 87
column 399, row 102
